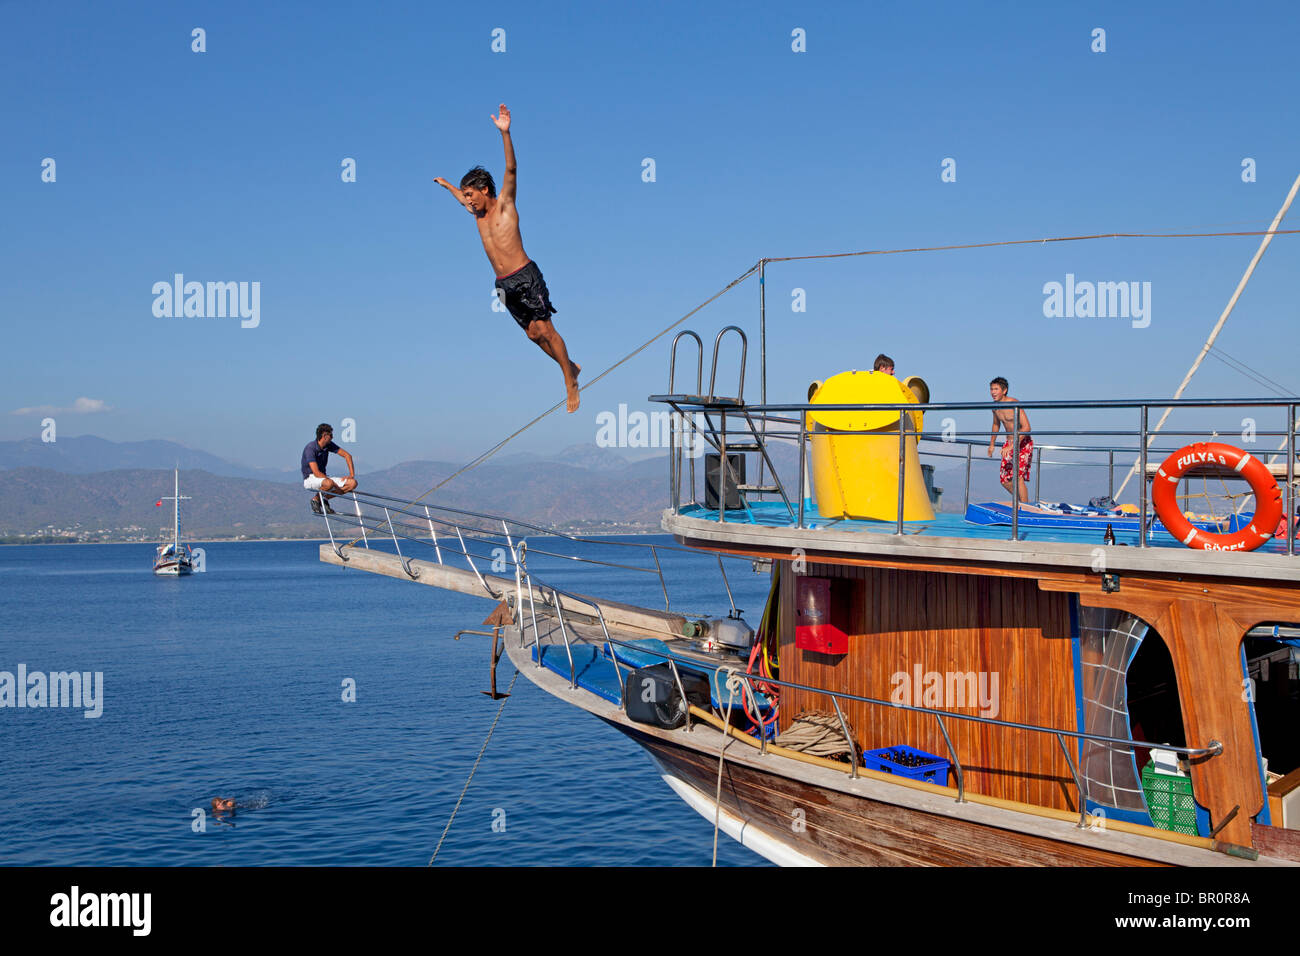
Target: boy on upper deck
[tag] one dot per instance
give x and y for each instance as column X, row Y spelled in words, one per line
column 1025, row 454
column 523, row 290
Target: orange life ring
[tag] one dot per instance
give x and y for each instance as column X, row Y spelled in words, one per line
column 1268, row 497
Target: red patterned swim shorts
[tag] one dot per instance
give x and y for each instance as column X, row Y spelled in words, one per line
column 1026, row 457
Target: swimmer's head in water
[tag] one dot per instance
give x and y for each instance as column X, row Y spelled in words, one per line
column 221, row 804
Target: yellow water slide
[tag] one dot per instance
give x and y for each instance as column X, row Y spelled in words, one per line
column 856, row 476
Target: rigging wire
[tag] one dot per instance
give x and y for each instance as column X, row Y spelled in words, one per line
column 1029, row 242
column 1259, row 377
column 626, row 358
column 838, row 255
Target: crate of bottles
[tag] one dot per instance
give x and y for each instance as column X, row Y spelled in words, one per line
column 908, row 762
column 1169, row 800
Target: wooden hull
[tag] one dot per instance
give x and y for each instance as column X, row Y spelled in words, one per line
column 839, row 829
column 816, row 812
column 823, row 816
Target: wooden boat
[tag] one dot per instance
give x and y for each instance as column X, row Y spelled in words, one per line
column 1046, row 698
column 1065, row 632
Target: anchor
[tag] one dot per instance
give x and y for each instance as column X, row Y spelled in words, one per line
column 499, row 618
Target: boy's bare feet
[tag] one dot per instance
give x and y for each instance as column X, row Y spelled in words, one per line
column 571, row 385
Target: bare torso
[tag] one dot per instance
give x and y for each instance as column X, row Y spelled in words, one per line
column 1005, row 418
column 498, row 227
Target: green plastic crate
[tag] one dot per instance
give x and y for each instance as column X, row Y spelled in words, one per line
column 1169, row 800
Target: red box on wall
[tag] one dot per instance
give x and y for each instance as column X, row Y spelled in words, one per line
column 818, row 617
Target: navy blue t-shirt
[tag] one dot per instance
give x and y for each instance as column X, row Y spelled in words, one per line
column 315, row 451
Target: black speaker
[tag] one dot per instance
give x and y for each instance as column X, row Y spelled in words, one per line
column 713, row 465
column 650, row 695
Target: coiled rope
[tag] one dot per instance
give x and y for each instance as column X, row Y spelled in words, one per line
column 817, row 733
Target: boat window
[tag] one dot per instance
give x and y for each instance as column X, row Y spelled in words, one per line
column 1154, row 711
column 1271, row 665
column 1129, row 692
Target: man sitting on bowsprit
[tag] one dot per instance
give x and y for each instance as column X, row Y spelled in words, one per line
column 314, row 478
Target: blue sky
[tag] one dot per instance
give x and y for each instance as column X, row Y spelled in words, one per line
column 375, row 295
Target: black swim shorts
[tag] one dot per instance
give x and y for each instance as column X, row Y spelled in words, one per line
column 525, row 295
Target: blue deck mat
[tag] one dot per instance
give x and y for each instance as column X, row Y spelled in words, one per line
column 945, row 524
column 993, row 513
column 595, row 672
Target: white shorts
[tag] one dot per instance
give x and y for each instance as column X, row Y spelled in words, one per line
column 312, row 483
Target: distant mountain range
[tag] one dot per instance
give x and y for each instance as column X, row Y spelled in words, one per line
column 88, row 453
column 90, row 489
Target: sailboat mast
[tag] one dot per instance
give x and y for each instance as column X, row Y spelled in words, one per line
column 176, row 510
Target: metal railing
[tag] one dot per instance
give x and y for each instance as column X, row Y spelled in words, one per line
column 366, row 515
column 396, row 520
column 761, row 424
column 749, row 684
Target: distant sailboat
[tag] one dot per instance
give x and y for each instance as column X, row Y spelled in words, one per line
column 173, row 557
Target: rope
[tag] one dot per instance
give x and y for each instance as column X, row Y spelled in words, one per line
column 626, row 358
column 817, row 733
column 1027, row 242
column 482, row 751
column 732, row 683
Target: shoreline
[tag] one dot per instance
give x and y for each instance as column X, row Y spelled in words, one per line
column 211, row 541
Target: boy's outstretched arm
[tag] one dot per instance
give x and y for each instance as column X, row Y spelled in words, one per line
column 508, row 185
column 456, row 193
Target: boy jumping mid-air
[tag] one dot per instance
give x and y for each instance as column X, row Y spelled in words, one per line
column 522, row 288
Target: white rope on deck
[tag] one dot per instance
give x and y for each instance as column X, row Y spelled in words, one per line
column 733, row 682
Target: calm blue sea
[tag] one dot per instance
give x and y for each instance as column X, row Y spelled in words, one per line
column 230, row 683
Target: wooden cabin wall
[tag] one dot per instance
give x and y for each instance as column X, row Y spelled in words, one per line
column 949, row 623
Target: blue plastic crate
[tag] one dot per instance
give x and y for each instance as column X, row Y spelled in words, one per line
column 926, row 767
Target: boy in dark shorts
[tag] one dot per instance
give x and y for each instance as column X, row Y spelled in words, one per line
column 519, row 281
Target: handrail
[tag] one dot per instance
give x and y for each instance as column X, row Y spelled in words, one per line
column 797, row 431
column 523, row 576
column 744, row 349
column 387, row 520
column 1213, row 749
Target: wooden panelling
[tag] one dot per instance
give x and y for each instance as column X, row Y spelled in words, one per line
column 908, row 626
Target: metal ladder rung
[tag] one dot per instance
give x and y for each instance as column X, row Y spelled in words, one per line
column 761, row 489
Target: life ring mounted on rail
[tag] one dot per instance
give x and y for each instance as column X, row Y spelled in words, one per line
column 1268, row 497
